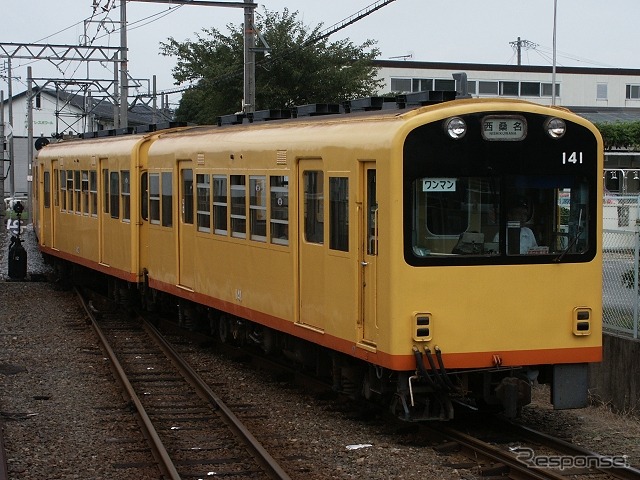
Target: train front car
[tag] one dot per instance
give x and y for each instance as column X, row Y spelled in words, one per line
column 501, row 282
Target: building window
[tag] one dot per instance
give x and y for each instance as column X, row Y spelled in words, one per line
column 445, row 85
column 402, row 85
column 601, row 91
column 633, row 92
column 530, row 89
column 258, row 208
column 421, row 84
column 547, row 90
column 238, row 206
column 471, row 87
column 126, row 195
column 339, row 213
column 203, row 199
column 220, row 203
column 280, row 210
column 509, row 89
column 487, row 88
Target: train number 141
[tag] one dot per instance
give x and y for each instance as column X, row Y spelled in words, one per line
column 574, row 157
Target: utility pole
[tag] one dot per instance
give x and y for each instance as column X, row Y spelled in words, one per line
column 12, row 185
column 553, row 71
column 248, row 102
column 29, row 142
column 519, row 44
column 124, row 81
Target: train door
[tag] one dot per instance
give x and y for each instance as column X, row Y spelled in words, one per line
column 186, row 226
column 311, row 251
column 103, row 206
column 369, row 249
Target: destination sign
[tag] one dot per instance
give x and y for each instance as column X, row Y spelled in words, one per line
column 504, row 128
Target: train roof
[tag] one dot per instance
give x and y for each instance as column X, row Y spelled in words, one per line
column 371, row 109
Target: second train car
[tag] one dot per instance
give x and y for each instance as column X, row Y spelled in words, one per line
column 419, row 255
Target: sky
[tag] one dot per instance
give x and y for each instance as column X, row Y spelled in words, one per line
column 589, row 33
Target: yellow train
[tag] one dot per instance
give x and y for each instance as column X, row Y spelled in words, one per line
column 444, row 253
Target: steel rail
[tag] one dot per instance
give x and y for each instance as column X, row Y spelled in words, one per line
column 273, row 469
column 624, row 473
column 517, row 469
column 159, row 452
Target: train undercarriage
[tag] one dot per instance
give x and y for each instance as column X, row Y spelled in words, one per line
column 426, row 394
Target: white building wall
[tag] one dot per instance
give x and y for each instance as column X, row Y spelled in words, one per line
column 578, row 86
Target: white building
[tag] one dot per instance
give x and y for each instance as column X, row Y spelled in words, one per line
column 57, row 114
column 576, row 87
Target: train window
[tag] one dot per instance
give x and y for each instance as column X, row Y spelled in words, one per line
column 47, row 190
column 154, row 198
column 114, row 194
column 69, row 191
column 279, row 210
column 167, row 199
column 339, row 213
column 187, row 195
column 513, row 215
column 258, row 208
column 105, row 190
column 314, row 206
column 372, row 213
column 144, row 196
column 93, row 193
column 238, row 206
column 203, row 199
column 77, row 190
column 220, row 203
column 85, row 192
column 125, row 193
column 63, row 189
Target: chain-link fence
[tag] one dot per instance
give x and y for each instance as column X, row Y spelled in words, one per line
column 621, row 302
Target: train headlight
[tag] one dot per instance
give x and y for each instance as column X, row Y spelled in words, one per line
column 555, row 127
column 456, row 127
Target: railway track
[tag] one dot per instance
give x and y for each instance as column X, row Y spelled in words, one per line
column 191, row 432
column 506, row 449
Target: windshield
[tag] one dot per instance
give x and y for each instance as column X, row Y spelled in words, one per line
column 505, row 216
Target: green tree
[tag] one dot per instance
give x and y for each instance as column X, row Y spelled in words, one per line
column 621, row 135
column 300, row 68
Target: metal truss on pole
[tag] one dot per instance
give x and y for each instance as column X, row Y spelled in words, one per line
column 56, row 54
column 59, row 53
